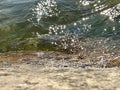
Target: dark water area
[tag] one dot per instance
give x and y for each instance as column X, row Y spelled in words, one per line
column 72, row 25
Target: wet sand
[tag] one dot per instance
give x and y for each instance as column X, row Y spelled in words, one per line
column 56, row 71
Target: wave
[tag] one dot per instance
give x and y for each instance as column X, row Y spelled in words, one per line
column 62, row 22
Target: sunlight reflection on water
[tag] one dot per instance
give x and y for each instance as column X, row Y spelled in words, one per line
column 48, row 14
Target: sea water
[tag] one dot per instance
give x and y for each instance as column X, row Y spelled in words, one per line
column 72, row 25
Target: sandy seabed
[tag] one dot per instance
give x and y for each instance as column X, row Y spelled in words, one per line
column 55, row 71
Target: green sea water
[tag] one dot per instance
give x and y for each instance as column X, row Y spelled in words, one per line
column 60, row 24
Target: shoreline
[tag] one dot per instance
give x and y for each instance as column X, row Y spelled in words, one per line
column 60, row 59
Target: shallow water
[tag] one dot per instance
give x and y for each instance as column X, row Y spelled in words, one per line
column 73, row 25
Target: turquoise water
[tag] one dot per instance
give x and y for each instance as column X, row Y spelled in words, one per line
column 92, row 25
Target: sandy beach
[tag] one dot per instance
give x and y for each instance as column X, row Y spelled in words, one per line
column 54, row 71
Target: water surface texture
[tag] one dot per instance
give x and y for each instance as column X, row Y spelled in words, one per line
column 73, row 25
